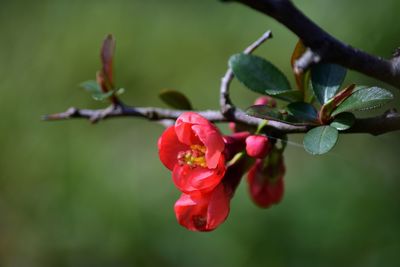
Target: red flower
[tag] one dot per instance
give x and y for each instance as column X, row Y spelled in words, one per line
column 193, row 151
column 257, row 146
column 203, row 212
column 265, row 180
column 199, row 211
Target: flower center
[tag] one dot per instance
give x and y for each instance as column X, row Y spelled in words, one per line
column 195, row 157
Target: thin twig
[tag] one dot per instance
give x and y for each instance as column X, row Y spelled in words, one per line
column 227, row 107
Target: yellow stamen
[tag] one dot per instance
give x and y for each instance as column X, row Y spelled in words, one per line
column 195, row 157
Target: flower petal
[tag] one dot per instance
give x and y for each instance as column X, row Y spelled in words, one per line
column 192, row 118
column 203, row 212
column 218, row 208
column 188, row 179
column 183, row 127
column 212, row 140
column 190, row 211
column 168, row 148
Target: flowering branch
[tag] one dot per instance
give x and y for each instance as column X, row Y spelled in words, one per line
column 323, row 47
column 285, row 12
column 207, row 166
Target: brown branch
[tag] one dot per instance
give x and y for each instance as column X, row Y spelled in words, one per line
column 325, row 46
column 390, row 121
column 160, row 114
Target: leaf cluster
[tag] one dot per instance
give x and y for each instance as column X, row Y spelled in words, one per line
column 318, row 100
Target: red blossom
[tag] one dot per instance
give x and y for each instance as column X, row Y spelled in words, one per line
column 204, row 212
column 257, row 146
column 193, row 150
column 265, row 180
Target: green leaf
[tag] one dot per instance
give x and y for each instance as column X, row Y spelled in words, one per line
column 308, row 88
column 290, row 96
column 303, row 111
column 364, row 98
column 320, row 140
column 95, row 90
column 343, row 121
column 325, row 112
column 91, row 86
column 175, row 99
column 326, row 80
column 258, row 74
column 102, row 96
column 268, row 113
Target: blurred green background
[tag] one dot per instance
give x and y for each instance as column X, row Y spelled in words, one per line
column 76, row 194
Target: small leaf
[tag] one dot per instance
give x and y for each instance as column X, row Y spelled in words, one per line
column 327, row 108
column 102, row 96
column 258, row 74
column 343, row 121
column 175, row 99
column 91, row 86
column 320, row 140
column 94, row 89
column 364, row 98
column 326, row 80
column 268, row 113
column 303, row 111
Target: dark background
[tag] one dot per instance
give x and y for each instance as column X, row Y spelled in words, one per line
column 74, row 194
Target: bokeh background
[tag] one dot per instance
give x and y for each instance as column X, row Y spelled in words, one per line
column 76, row 194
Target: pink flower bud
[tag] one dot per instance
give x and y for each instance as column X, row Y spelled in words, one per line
column 265, row 100
column 257, row 146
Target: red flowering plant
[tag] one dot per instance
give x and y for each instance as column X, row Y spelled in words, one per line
column 195, row 151
column 207, row 166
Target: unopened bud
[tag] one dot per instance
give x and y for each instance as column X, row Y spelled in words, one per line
column 266, row 100
column 257, row 146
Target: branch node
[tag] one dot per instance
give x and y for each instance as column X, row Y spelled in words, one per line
column 308, row 59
